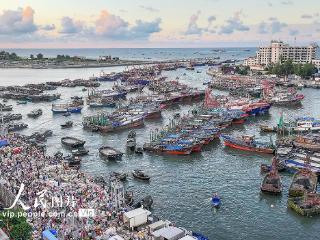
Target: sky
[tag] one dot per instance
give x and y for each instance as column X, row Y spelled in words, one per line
column 156, row 23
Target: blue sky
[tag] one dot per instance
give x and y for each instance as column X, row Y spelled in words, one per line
column 163, row 23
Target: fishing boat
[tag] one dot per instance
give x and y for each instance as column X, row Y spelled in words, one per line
column 110, row 153
column 247, row 143
column 5, row 108
column 119, row 176
column 308, row 205
column 21, row 102
column 304, row 181
column 272, row 181
column 65, row 108
column 72, row 162
column 104, row 123
column 131, row 140
column 81, row 151
column 310, row 142
column 145, row 203
column 267, row 128
column 128, row 198
column 35, row 113
column 72, row 142
column 138, row 150
column 215, row 201
column 67, row 124
column 139, row 174
column 307, row 124
column 12, row 127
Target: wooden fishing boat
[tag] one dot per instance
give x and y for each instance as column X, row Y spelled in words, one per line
column 110, row 153
column 35, row 113
column 138, row 150
column 131, row 140
column 267, row 128
column 128, row 198
column 307, row 205
column 21, row 102
column 81, row 151
column 309, row 142
column 139, row 174
column 247, row 143
column 72, row 142
column 67, row 124
column 119, row 176
column 146, row 203
column 304, row 181
column 12, row 127
column 272, row 181
column 72, row 162
column 5, row 108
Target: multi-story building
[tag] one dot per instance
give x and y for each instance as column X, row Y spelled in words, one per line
column 281, row 51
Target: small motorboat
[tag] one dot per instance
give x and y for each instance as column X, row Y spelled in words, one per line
column 131, row 140
column 22, row 102
column 139, row 150
column 84, row 89
column 128, row 198
column 110, row 153
column 119, row 176
column 72, row 161
column 80, row 151
column 66, row 114
column 35, row 113
column 140, row 175
column 145, row 203
column 72, row 142
column 215, row 201
column 67, row 124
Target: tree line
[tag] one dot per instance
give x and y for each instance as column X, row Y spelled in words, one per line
column 285, row 68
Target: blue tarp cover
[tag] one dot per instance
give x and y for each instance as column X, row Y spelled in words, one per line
column 3, row 142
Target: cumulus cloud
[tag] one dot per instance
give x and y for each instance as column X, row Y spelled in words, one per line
column 263, row 28
column 69, row 26
column 234, row 24
column 114, row 27
column 18, row 21
column 276, row 26
column 48, row 27
column 193, row 28
column 151, row 9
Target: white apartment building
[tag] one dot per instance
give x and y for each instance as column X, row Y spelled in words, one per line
column 279, row 50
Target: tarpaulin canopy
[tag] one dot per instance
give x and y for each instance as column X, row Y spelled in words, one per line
column 3, row 142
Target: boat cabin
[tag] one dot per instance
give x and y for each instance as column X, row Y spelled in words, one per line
column 136, row 217
column 168, row 233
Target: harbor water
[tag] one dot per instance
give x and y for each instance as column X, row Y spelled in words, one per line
column 182, row 186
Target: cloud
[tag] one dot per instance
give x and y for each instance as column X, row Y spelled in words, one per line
column 151, row 9
column 306, row 16
column 287, row 2
column 276, row 26
column 269, row 4
column 48, row 27
column 234, row 24
column 193, row 28
column 18, row 21
column 263, row 28
column 293, row 32
column 114, row 27
column 69, row 26
column 211, row 19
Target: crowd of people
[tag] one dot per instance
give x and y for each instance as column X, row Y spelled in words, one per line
column 53, row 194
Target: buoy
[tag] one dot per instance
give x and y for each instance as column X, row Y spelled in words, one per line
column 272, row 205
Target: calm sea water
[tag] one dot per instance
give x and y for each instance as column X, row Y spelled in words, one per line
column 182, row 186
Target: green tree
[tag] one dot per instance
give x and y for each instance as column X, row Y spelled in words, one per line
column 18, row 227
column 31, row 56
column 39, row 56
